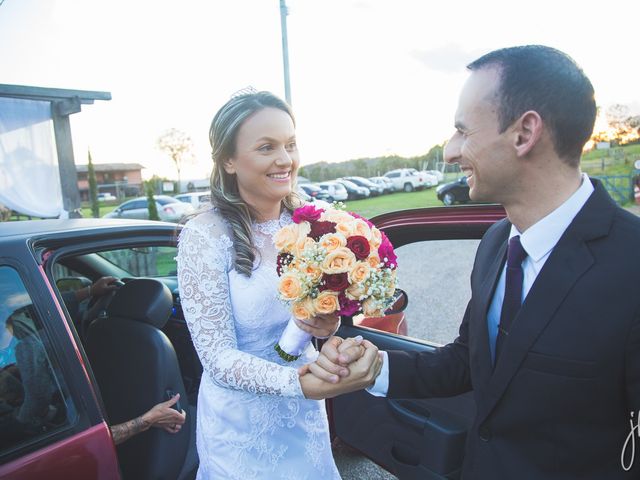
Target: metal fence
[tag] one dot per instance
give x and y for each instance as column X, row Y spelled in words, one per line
column 620, row 187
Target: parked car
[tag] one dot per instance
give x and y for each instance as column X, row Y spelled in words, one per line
column 384, row 182
column 430, row 179
column 406, row 179
column 91, row 379
column 354, row 191
column 169, row 209
column 196, row 199
column 106, row 197
column 315, row 191
column 304, row 195
column 452, row 192
column 337, row 191
column 374, row 188
column 437, row 173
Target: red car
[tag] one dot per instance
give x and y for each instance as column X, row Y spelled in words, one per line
column 66, row 374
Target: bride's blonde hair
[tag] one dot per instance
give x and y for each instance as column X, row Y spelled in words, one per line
column 224, row 187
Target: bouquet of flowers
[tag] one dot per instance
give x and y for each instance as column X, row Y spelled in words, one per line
column 331, row 261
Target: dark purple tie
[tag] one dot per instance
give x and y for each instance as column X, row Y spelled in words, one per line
column 512, row 290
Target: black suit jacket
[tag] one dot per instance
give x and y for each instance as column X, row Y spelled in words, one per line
column 558, row 403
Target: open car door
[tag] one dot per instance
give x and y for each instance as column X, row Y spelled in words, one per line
column 414, row 438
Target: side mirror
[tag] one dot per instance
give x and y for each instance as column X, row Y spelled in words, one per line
column 400, row 302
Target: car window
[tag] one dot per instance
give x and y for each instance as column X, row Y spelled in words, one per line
column 166, row 200
column 154, row 261
column 34, row 401
column 435, row 274
column 392, row 175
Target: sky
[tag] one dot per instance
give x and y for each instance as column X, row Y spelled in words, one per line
column 368, row 77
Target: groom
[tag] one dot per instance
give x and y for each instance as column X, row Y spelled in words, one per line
column 550, row 340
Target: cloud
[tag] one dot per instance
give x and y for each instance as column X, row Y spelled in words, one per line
column 450, row 58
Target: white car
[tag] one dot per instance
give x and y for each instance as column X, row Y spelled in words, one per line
column 169, row 209
column 407, row 179
column 196, row 199
column 337, row 192
column 106, row 197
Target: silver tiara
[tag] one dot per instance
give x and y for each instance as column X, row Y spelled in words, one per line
column 244, row 91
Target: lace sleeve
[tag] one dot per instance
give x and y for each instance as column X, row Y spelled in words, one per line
column 204, row 259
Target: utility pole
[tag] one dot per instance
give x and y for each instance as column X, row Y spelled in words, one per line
column 285, row 50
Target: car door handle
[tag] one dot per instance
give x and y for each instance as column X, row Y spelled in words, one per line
column 410, row 413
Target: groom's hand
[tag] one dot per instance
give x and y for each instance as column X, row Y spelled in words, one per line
column 320, row 326
column 334, row 358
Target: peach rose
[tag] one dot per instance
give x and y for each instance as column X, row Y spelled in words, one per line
column 373, row 260
column 360, row 227
column 326, row 302
column 345, row 227
column 370, row 308
column 285, row 238
column 336, row 216
column 312, row 271
column 341, row 260
column 290, row 287
column 303, row 310
column 355, row 291
column 302, row 243
column 359, row 272
column 376, row 239
column 331, row 241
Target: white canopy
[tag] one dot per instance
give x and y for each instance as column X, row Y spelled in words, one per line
column 29, row 173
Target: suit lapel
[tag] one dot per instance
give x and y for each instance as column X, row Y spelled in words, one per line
column 569, row 260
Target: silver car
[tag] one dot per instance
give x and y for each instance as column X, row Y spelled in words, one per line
column 169, row 209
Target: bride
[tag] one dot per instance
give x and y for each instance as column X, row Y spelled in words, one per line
column 256, row 419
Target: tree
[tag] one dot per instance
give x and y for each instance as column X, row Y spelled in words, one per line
column 624, row 125
column 93, row 189
column 179, row 146
column 151, row 201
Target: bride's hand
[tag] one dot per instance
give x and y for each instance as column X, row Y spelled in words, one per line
column 320, row 326
column 334, row 359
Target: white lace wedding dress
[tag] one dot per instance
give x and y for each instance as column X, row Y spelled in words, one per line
column 253, row 421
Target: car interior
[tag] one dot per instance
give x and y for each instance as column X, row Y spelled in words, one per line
column 138, row 346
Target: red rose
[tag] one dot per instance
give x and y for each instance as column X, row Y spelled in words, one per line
column 337, row 282
column 359, row 245
column 283, row 259
column 318, row 229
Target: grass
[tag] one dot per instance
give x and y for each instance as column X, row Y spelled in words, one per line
column 370, row 207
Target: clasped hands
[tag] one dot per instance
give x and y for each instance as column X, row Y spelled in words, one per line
column 342, row 366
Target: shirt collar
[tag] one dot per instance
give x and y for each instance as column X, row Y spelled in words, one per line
column 539, row 239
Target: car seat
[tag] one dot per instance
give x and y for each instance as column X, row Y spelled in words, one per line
column 135, row 365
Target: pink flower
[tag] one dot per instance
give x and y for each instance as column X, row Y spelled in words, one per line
column 386, row 253
column 348, row 307
column 308, row 213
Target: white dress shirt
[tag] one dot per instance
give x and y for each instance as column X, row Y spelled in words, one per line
column 538, row 241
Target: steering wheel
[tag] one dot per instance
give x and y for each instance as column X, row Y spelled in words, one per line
column 97, row 307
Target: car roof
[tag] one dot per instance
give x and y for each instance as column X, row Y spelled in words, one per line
column 31, row 228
